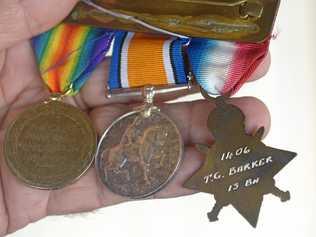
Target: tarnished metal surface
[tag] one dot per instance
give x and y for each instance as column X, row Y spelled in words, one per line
column 235, row 20
column 138, row 155
column 50, row 145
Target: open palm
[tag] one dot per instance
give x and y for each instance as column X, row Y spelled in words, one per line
column 21, row 86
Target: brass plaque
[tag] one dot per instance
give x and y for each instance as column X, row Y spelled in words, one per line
column 50, row 145
column 238, row 168
column 233, row 20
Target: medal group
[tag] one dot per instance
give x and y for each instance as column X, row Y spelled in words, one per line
column 53, row 144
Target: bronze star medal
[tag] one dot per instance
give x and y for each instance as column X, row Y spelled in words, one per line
column 239, row 169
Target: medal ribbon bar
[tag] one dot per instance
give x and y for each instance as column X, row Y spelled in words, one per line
column 170, row 64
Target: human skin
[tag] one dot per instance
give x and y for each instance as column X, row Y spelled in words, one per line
column 21, row 86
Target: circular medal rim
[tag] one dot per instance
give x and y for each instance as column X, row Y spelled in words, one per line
column 162, row 185
column 34, row 108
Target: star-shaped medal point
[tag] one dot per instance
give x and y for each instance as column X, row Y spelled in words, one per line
column 239, row 169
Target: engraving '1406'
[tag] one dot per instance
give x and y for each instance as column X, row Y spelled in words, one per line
column 234, row 170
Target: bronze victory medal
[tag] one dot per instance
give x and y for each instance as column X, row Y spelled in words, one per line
column 138, row 155
column 50, row 145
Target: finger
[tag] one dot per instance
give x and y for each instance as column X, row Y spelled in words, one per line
column 23, row 19
column 93, row 94
column 191, row 117
column 2, row 60
column 3, row 212
column 262, row 69
column 19, row 74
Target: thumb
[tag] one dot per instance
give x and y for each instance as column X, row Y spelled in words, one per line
column 22, row 19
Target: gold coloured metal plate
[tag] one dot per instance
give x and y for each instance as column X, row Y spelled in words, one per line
column 138, row 155
column 233, row 20
column 50, row 145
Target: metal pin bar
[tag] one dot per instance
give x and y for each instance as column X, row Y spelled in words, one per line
column 138, row 92
column 215, row 3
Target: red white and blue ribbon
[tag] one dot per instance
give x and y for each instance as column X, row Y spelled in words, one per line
column 222, row 67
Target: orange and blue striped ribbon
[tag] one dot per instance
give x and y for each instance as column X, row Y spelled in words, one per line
column 146, row 59
column 67, row 54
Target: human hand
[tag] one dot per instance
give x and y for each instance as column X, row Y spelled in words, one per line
column 21, row 86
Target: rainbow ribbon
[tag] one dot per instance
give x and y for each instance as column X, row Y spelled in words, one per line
column 67, row 55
